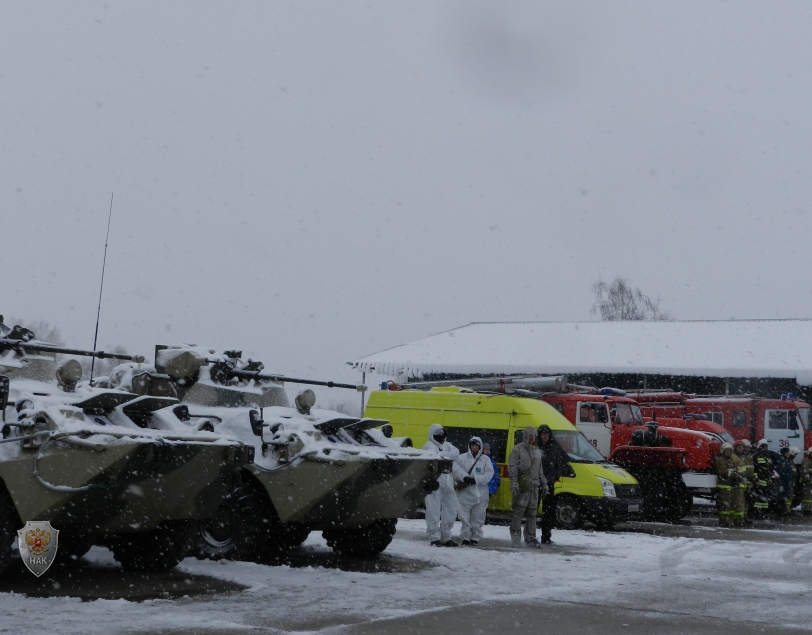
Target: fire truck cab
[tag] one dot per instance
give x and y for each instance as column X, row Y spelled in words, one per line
column 595, row 413
column 783, row 422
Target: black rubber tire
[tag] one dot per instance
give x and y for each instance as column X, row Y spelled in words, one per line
column 678, row 505
column 362, row 541
column 9, row 523
column 247, row 527
column 568, row 512
column 220, row 537
column 155, row 551
column 72, row 547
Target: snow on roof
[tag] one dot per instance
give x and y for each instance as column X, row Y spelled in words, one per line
column 731, row 348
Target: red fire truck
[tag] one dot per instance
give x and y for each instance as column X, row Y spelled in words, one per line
column 783, row 422
column 672, row 463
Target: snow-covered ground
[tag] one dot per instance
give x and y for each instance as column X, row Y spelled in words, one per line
column 764, row 577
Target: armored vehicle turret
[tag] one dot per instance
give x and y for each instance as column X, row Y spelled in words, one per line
column 103, row 466
column 314, row 469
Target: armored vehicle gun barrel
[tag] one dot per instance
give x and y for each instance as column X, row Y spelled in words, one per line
column 33, row 345
column 247, row 374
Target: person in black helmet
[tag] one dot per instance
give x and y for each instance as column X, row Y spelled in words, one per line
column 555, row 464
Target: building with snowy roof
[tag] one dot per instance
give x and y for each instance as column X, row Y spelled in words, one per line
column 764, row 357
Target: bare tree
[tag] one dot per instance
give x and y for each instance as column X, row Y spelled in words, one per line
column 619, row 301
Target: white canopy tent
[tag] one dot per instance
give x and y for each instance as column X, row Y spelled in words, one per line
column 733, row 348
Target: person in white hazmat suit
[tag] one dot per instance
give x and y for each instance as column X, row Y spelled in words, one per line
column 441, row 505
column 472, row 471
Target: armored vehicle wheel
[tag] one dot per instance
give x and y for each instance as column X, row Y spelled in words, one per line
column 239, row 529
column 567, row 513
column 219, row 536
column 364, row 541
column 72, row 546
column 8, row 528
column 154, row 551
column 246, row 527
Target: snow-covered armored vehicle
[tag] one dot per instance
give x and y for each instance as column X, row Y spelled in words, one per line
column 314, row 469
column 103, row 466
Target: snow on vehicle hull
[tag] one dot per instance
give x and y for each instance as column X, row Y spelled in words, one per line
column 348, row 493
column 314, row 470
column 106, row 466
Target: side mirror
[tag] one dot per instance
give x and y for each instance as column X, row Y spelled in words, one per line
column 182, row 412
column 256, row 422
column 3, row 395
column 387, row 431
column 793, row 423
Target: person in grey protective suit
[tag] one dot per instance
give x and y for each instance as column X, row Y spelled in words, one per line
column 472, row 471
column 441, row 505
column 526, row 479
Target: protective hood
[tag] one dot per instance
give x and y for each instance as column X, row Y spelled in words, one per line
column 434, row 428
column 527, row 432
column 479, row 441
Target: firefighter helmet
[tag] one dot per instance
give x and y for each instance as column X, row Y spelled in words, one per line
column 793, row 451
column 747, row 443
column 726, row 446
column 738, row 442
column 762, row 442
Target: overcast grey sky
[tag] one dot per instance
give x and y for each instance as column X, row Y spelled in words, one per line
column 313, row 182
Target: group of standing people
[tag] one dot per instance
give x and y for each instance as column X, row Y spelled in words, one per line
column 753, row 483
column 533, row 467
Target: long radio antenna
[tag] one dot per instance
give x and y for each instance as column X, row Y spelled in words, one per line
column 101, row 288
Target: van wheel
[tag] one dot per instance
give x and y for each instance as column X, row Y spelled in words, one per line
column 567, row 512
column 8, row 529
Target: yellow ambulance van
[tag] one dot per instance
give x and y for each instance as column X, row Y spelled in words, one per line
column 599, row 492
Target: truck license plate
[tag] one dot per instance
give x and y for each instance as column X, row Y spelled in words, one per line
column 634, row 508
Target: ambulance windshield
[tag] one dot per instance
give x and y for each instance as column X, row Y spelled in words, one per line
column 577, row 447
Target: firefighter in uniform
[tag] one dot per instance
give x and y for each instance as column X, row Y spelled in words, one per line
column 796, row 476
column 786, row 471
column 729, row 496
column 763, row 463
column 747, row 470
column 806, row 483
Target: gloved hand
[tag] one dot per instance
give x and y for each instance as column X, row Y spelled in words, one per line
column 469, row 480
column 543, row 491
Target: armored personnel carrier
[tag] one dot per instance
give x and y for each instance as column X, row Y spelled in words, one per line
column 103, row 466
column 314, row 469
